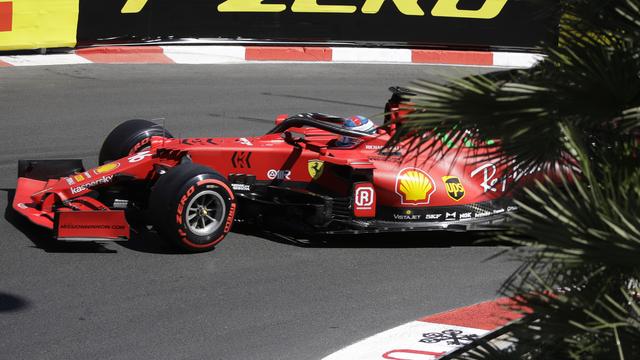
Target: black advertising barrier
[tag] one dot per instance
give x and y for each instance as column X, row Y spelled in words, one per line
column 417, row 23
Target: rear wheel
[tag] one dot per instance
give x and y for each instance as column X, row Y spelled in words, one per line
column 128, row 138
column 193, row 207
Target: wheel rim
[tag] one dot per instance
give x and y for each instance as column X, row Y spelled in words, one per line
column 205, row 213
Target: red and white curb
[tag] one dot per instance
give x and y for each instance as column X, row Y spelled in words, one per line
column 433, row 336
column 230, row 54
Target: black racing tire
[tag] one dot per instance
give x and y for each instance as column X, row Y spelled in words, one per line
column 129, row 137
column 177, row 199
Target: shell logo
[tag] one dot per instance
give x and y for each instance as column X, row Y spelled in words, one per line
column 106, row 168
column 414, row 186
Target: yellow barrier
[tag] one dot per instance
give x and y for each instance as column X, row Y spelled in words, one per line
column 35, row 24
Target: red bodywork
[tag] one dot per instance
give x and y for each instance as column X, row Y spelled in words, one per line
column 295, row 171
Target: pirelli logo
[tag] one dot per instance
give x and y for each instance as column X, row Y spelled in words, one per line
column 442, row 8
column 6, row 16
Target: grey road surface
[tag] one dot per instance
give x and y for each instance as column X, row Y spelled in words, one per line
column 255, row 297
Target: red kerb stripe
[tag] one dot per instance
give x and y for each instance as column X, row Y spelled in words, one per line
column 487, row 315
column 266, row 53
column 452, row 57
column 125, row 54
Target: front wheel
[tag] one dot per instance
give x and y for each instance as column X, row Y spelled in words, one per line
column 193, row 207
column 128, row 138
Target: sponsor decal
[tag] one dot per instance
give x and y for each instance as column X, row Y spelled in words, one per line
column 241, row 187
column 245, row 141
column 106, row 168
column 407, row 215
column 92, row 226
column 465, row 215
column 493, row 183
column 78, row 178
column 373, row 147
column 512, row 208
column 144, row 142
column 414, row 186
column 483, row 214
column 315, row 168
column 442, row 8
column 452, row 337
column 198, row 142
column 181, row 203
column 69, row 181
column 450, row 216
column 489, row 181
column 432, row 216
column 241, row 159
column 454, row 187
column 103, row 180
column 87, row 175
column 498, row 211
column 279, row 174
column 229, row 222
column 139, row 156
column 364, row 200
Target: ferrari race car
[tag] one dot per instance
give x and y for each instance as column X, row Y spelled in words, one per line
column 193, row 189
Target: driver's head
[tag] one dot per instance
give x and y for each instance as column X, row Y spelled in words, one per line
column 358, row 123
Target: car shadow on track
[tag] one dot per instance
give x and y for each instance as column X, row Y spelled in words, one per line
column 422, row 239
column 12, row 303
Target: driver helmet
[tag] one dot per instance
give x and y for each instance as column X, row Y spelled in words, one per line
column 358, row 123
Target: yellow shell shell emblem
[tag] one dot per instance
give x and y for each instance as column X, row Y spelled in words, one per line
column 315, row 168
column 106, row 168
column 414, row 186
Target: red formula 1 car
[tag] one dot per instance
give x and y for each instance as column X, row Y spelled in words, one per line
column 193, row 189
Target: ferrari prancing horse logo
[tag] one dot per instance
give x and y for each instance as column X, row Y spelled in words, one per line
column 315, row 168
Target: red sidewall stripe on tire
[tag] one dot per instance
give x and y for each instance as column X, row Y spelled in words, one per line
column 228, row 220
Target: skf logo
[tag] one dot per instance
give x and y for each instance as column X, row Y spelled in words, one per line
column 364, row 200
column 106, row 168
column 6, row 16
column 454, row 187
column 414, row 186
column 442, row 8
column 315, row 168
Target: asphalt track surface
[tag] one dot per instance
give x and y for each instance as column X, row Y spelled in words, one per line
column 255, row 297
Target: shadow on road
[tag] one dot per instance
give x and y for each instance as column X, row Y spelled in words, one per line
column 423, row 239
column 12, row 303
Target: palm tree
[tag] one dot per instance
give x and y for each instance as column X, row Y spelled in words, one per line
column 578, row 109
